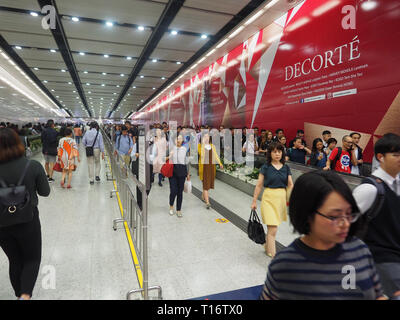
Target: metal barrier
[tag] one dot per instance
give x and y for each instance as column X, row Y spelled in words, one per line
column 134, row 218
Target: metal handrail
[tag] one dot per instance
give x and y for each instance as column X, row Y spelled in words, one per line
column 135, row 217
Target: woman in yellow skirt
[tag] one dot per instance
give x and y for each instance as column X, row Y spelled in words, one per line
column 276, row 178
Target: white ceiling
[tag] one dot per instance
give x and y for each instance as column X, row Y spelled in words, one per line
column 196, row 16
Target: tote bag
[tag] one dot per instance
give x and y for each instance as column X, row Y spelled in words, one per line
column 255, row 229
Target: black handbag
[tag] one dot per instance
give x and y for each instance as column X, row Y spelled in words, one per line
column 90, row 150
column 255, row 229
column 15, row 202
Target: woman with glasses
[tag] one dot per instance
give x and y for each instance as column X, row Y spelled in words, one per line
column 327, row 261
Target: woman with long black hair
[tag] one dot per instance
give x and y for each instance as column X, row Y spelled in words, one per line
column 22, row 243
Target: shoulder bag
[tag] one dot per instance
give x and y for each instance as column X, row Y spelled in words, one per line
column 90, row 150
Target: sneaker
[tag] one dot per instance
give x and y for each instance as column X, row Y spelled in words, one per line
column 91, row 182
column 208, row 206
column 97, row 178
column 171, row 212
column 179, row 214
column 160, row 184
column 50, row 179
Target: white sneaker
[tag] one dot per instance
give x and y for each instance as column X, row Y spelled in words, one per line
column 171, row 212
column 179, row 214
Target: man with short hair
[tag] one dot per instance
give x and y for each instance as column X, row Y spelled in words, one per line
column 342, row 158
column 326, row 135
column 94, row 138
column 358, row 151
column 124, row 145
column 383, row 233
column 278, row 134
column 49, row 148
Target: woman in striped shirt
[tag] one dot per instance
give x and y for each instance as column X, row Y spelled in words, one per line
column 327, row 261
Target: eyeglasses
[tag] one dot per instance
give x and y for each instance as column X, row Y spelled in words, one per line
column 338, row 221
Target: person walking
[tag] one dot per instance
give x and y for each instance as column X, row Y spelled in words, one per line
column 49, row 148
column 22, row 243
column 93, row 138
column 276, row 179
column 67, row 153
column 327, row 261
column 207, row 169
column 123, row 147
column 178, row 156
column 160, row 147
column 78, row 134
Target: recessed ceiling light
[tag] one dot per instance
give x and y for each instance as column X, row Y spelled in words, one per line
column 45, row 81
column 178, row 62
column 90, row 92
column 52, row 51
column 122, row 75
column 62, row 70
column 103, row 85
column 154, row 88
column 88, row 84
column 33, row 14
column 85, row 72
column 69, row 82
column 134, row 87
column 82, row 53
column 204, row 36
column 162, row 78
column 106, row 56
column 109, row 24
column 18, row 47
column 117, row 85
column 104, row 73
column 128, row 58
column 141, row 77
column 75, row 19
column 174, row 32
column 141, row 28
column 36, row 68
column 154, row 60
column 369, row 5
column 52, row 90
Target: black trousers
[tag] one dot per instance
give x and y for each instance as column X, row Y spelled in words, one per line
column 23, row 246
column 176, row 185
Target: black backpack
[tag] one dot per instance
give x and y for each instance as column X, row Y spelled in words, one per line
column 15, row 202
column 375, row 208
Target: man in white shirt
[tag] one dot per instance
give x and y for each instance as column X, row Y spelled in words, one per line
column 383, row 234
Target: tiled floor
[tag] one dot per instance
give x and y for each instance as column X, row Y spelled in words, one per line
column 189, row 257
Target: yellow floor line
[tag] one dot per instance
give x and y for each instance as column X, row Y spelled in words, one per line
column 128, row 235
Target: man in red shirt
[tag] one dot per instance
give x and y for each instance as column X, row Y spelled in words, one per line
column 343, row 160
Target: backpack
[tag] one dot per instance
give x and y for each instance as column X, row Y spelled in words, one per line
column 337, row 158
column 373, row 211
column 15, row 202
column 376, row 206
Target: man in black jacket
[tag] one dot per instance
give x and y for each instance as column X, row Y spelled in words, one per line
column 49, row 150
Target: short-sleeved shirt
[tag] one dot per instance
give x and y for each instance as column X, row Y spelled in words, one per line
column 274, row 178
column 297, row 155
column 344, row 163
column 299, row 272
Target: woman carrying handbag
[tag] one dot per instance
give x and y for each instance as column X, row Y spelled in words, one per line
column 276, row 178
column 178, row 157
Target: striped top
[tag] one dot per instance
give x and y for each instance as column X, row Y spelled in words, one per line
column 300, row 272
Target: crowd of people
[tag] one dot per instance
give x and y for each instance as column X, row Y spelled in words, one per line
column 335, row 225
